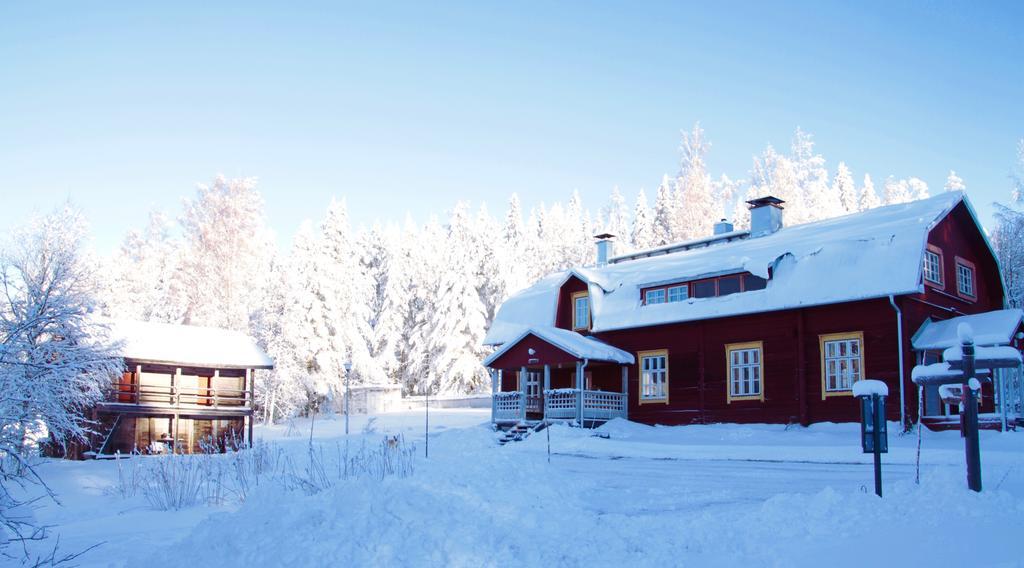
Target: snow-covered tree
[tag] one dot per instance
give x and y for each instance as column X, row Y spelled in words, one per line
column 695, row 206
column 643, row 235
column 664, row 214
column 615, row 220
column 843, row 187
column 226, row 243
column 897, row 191
column 141, row 278
column 918, row 188
column 954, row 182
column 868, row 196
column 55, row 356
column 1008, row 237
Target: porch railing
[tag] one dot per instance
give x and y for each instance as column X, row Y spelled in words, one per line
column 560, row 404
column 601, row 405
column 508, row 406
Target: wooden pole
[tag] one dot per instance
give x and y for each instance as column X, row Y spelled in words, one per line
column 625, row 391
column 522, row 390
column 969, row 396
column 252, row 397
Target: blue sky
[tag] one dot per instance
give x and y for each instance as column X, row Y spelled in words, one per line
column 411, row 106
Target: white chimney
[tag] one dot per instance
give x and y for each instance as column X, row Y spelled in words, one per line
column 722, row 227
column 604, row 247
column 765, row 215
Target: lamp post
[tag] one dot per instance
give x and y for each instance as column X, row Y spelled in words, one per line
column 348, row 371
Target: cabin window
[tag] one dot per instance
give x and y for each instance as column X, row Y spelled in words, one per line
column 728, row 285
column 533, row 384
column 580, row 311
column 653, row 376
column 965, row 278
column 678, row 293
column 933, row 265
column 842, row 362
column 704, row 289
column 746, row 370
column 654, row 296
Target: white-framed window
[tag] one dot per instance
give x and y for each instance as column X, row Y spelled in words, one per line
column 580, row 311
column 746, row 370
column 965, row 278
column 678, row 293
column 933, row 266
column 842, row 362
column 653, row 376
column 654, row 296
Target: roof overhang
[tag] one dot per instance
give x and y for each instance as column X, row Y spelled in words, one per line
column 576, row 345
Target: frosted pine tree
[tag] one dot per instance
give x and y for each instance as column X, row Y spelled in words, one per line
column 664, row 214
column 382, row 263
column 457, row 323
column 695, row 211
column 868, row 196
column 954, row 182
column 346, row 289
column 141, row 278
column 642, row 234
column 844, row 187
column 615, row 220
column 424, row 262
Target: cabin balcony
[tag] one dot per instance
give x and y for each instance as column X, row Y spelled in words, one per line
column 156, row 399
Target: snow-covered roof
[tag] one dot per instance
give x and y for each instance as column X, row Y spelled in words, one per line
column 188, row 345
column 573, row 343
column 990, row 328
column 866, row 255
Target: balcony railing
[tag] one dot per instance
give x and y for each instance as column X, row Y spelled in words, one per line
column 178, row 396
column 508, row 406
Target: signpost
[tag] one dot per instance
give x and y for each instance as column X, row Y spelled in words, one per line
column 963, row 365
column 874, row 435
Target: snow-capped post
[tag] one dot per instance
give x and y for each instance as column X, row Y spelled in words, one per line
column 971, row 386
column 962, row 366
column 873, row 429
column 348, row 371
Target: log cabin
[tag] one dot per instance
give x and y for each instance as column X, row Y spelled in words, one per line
column 185, row 389
column 772, row 325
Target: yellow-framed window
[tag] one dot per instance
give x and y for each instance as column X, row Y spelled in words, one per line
column 745, row 367
column 842, row 362
column 653, row 367
column 580, row 311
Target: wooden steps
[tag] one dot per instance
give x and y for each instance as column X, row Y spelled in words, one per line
column 520, row 431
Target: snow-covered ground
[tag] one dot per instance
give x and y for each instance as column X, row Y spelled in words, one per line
column 719, row 495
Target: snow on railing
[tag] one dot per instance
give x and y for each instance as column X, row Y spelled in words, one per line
column 560, row 404
column 601, row 405
column 508, row 405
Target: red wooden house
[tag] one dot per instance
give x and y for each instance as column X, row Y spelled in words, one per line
column 772, row 324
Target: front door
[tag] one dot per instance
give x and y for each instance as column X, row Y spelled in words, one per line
column 533, row 394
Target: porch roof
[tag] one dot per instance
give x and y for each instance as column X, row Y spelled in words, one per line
column 573, row 343
column 990, row 328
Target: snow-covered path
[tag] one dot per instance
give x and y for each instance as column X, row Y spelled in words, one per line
column 716, row 495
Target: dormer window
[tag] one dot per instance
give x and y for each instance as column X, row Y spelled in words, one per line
column 706, row 288
column 580, row 311
column 932, row 267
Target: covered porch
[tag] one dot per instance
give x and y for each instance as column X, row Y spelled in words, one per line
column 551, row 374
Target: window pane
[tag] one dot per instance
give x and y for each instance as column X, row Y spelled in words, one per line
column 704, row 289
column 728, row 285
column 678, row 293
column 655, row 296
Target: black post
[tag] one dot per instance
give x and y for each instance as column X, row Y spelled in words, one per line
column 970, row 400
column 876, row 438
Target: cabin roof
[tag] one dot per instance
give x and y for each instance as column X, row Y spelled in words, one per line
column 990, row 328
column 575, row 344
column 188, row 345
column 860, row 256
